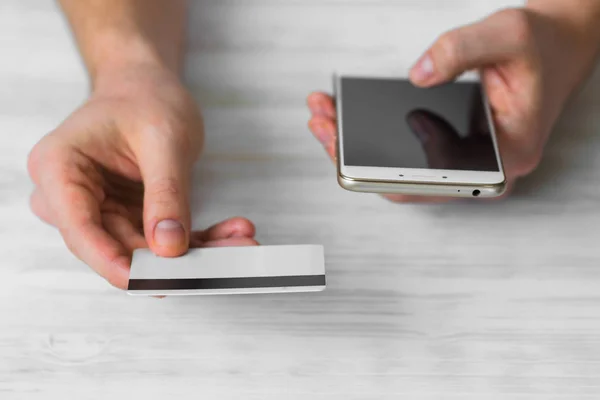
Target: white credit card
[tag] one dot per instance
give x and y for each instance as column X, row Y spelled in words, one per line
column 229, row 270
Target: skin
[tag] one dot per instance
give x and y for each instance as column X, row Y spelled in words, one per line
column 531, row 61
column 122, row 162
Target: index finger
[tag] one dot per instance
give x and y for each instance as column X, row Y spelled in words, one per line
column 75, row 206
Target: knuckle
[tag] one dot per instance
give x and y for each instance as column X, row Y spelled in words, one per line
column 165, row 188
column 34, row 158
column 44, row 158
column 519, row 26
column 32, row 163
column 34, row 204
column 171, row 135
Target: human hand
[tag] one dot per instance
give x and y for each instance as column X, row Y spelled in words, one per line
column 115, row 176
column 530, row 63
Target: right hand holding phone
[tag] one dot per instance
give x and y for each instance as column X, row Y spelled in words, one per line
column 530, row 63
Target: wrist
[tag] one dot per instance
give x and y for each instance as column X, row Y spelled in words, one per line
column 117, row 55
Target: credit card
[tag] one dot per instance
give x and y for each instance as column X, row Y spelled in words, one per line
column 229, row 270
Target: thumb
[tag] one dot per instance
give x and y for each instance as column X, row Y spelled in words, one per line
column 495, row 39
column 166, row 172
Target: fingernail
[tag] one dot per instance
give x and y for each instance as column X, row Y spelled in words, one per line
column 169, row 232
column 423, row 70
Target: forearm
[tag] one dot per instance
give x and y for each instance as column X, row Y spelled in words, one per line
column 117, row 34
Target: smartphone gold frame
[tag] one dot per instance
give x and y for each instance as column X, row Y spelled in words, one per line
column 432, row 183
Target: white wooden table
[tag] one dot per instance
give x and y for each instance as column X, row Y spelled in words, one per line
column 467, row 300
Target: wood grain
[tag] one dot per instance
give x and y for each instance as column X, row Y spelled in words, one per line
column 471, row 300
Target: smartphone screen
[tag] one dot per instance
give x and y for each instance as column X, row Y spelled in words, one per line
column 392, row 123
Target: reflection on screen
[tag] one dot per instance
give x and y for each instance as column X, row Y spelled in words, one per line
column 391, row 123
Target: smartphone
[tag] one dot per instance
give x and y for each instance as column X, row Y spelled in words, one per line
column 394, row 137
